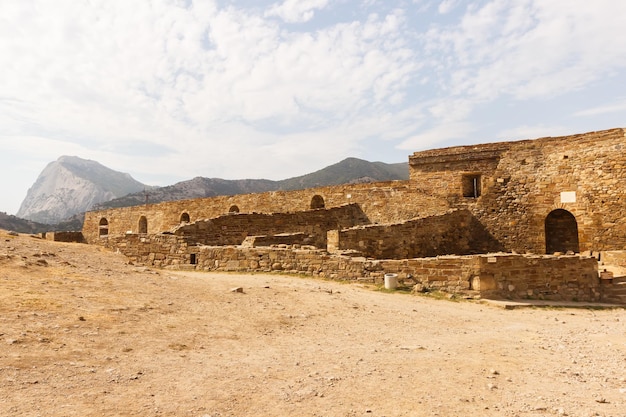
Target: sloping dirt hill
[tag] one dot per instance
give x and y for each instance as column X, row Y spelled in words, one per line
column 83, row 333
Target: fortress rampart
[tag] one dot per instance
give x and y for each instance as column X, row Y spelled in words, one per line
column 383, row 202
column 546, row 196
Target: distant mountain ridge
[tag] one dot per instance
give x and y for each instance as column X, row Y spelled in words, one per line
column 350, row 170
column 71, row 185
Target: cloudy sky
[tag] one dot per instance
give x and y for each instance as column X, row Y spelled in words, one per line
column 167, row 90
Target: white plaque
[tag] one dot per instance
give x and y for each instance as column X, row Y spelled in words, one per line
column 568, row 197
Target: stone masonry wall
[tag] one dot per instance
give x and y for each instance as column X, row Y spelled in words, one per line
column 384, row 202
column 496, row 275
column 456, row 232
column 523, row 182
column 233, row 229
column 572, row 278
column 72, row 237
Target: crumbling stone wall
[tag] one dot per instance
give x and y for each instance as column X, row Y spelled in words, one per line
column 70, row 237
column 233, row 229
column 544, row 277
column 456, row 232
column 495, row 275
column 300, row 239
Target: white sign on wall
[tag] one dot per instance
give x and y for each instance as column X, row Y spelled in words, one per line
column 568, row 197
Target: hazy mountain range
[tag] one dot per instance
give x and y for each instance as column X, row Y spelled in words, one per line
column 350, row 170
column 69, row 186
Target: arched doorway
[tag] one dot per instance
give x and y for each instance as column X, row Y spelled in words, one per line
column 317, row 202
column 103, row 227
column 233, row 209
column 561, row 232
column 143, row 224
column 184, row 218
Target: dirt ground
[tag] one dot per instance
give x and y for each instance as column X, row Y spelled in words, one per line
column 83, row 333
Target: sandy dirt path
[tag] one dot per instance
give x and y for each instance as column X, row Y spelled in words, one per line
column 83, row 333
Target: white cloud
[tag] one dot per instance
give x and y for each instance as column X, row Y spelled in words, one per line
column 446, row 6
column 531, row 49
column 296, row 11
column 214, row 89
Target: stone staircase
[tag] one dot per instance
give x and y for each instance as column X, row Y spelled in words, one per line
column 613, row 290
column 612, row 274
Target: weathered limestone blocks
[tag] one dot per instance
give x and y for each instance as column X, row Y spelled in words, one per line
column 495, row 275
column 518, row 184
column 383, row 202
column 456, row 232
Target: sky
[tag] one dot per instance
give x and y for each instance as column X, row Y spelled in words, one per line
column 167, row 90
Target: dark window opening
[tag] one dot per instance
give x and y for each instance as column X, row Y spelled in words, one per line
column 317, row 202
column 233, row 209
column 471, row 186
column 184, row 218
column 103, row 227
column 192, row 259
column 143, row 224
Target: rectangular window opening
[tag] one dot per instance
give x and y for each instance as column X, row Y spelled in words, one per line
column 471, row 185
column 192, row 259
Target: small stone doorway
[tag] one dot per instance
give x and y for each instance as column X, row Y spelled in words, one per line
column 561, row 232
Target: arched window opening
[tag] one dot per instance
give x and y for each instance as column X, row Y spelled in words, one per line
column 233, row 209
column 317, row 202
column 561, row 232
column 103, row 227
column 184, row 218
column 143, row 224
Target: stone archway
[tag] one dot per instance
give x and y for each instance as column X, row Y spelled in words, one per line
column 184, row 218
column 143, row 224
column 561, row 232
column 317, row 202
column 103, row 227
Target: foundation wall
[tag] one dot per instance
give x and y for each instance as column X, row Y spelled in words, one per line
column 570, row 278
column 71, row 237
column 497, row 275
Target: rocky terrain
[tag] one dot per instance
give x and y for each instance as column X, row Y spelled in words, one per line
column 84, row 333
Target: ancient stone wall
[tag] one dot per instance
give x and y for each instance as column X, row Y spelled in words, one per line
column 299, row 239
column 233, row 229
column 71, row 237
column 572, row 278
column 384, row 202
column 521, row 184
column 457, row 232
column 496, row 275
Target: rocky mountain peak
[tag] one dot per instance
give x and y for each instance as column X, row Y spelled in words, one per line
column 72, row 185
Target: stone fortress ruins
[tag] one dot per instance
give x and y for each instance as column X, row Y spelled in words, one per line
column 525, row 219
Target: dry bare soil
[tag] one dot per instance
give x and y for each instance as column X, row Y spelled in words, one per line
column 83, row 333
